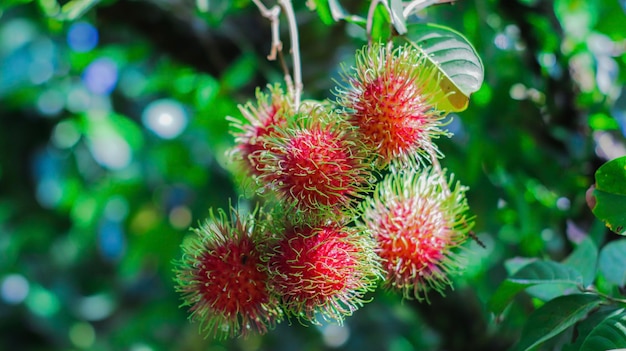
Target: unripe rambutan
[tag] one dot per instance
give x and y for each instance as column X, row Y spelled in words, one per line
column 388, row 99
column 325, row 269
column 223, row 281
column 316, row 163
column 270, row 111
column 417, row 221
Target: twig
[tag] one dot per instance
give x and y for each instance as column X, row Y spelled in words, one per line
column 295, row 50
column 370, row 20
column 272, row 15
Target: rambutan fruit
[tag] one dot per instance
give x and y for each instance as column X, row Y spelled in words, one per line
column 270, row 111
column 316, row 163
column 388, row 99
column 323, row 270
column 418, row 222
column 223, row 281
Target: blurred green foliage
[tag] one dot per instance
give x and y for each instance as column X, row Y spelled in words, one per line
column 113, row 138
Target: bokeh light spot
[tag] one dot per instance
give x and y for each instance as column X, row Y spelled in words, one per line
column 110, row 151
column 78, row 99
column 65, row 134
column 166, row 118
column 14, row 289
column 82, row 37
column 49, row 192
column 50, row 102
column 335, row 335
column 100, row 77
column 180, row 217
column 40, row 71
column 82, row 335
column 96, row 307
column 111, row 240
column 116, row 208
column 42, row 302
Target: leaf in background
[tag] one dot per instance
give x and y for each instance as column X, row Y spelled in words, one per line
column 398, row 20
column 610, row 195
column 612, row 262
column 585, row 260
column 323, row 10
column 462, row 71
column 381, row 29
column 588, row 324
column 76, row 8
column 610, row 334
column 554, row 317
column 239, row 73
column 331, row 11
column 539, row 272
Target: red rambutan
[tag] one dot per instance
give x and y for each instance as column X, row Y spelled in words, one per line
column 418, row 221
column 388, row 99
column 325, row 269
column 271, row 111
column 222, row 279
column 316, row 162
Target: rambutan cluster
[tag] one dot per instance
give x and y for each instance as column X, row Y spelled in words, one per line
column 349, row 201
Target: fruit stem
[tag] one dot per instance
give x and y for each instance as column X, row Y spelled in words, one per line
column 295, row 51
column 295, row 87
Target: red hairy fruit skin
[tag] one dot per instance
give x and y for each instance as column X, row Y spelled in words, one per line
column 316, row 163
column 418, row 221
column 223, row 281
column 323, row 270
column 387, row 98
column 261, row 120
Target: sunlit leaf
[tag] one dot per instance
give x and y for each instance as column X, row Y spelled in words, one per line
column 610, row 195
column 461, row 69
column 610, row 334
column 76, row 8
column 381, row 24
column 396, row 8
column 554, row 317
column 331, row 11
column 612, row 262
column 539, row 272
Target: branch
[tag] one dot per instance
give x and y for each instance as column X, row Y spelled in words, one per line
column 272, row 15
column 295, row 51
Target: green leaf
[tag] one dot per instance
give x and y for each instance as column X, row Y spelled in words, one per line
column 610, row 195
column 585, row 260
column 461, row 69
column 323, row 10
column 588, row 324
column 331, row 11
column 76, row 8
column 381, row 29
column 612, row 262
column 395, row 9
column 539, row 272
column 610, row 334
column 239, row 73
column 554, row 317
